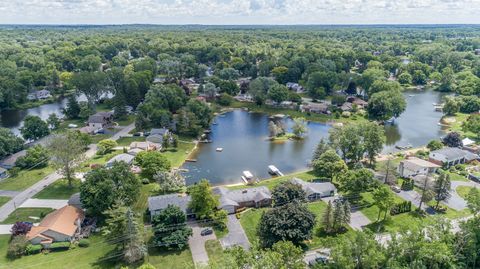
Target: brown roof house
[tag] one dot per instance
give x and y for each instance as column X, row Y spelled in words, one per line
column 232, row 200
column 62, row 225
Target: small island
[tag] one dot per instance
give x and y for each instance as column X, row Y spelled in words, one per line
column 278, row 130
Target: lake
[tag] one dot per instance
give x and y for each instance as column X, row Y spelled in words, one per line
column 243, row 137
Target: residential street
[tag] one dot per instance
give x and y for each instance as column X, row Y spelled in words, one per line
column 9, row 193
column 44, row 203
column 28, row 193
column 236, row 235
column 196, row 242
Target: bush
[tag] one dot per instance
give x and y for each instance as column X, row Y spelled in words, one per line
column 408, row 184
column 84, row 243
column 33, row 249
column 17, row 246
column 21, row 227
column 225, row 99
column 145, row 181
column 36, row 157
column 59, row 246
column 400, row 208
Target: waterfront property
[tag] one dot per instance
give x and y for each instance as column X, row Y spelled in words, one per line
column 156, row 135
column 233, row 200
column 126, row 158
column 158, row 203
column 451, row 156
column 100, row 120
column 316, row 190
column 62, row 225
column 414, row 166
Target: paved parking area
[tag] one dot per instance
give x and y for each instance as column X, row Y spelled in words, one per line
column 236, row 235
column 45, row 203
column 196, row 242
column 456, row 201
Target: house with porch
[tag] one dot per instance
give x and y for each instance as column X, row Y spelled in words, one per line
column 451, row 156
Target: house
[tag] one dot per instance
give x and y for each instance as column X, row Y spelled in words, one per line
column 62, row 225
column 9, row 162
column 144, row 146
column 100, row 120
column 75, row 201
column 32, row 96
column 156, row 135
column 159, row 80
column 316, row 190
column 360, row 103
column 87, row 130
column 232, row 200
column 188, row 85
column 295, row 87
column 3, row 173
column 158, row 203
column 414, row 166
column 126, row 158
column 319, row 108
column 470, row 145
column 347, row 106
column 451, row 156
column 43, row 94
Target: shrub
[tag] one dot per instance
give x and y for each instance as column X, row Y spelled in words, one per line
column 145, row 181
column 21, row 227
column 403, row 207
column 59, row 246
column 84, row 243
column 33, row 249
column 17, row 246
column 407, row 184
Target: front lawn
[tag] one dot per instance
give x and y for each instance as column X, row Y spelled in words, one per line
column 249, row 221
column 178, row 155
column 26, row 214
column 59, row 190
column 214, row 251
column 172, row 259
column 4, row 200
column 127, row 121
column 463, row 191
column 100, row 159
column 25, row 179
column 127, row 140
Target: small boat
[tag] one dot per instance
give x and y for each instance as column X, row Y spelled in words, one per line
column 248, row 177
column 191, row 160
column 403, row 147
column 273, row 170
column 219, row 149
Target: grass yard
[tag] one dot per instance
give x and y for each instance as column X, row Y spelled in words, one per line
column 25, row 214
column 59, row 190
column 249, row 220
column 214, row 251
column 4, row 200
column 25, row 179
column 127, row 121
column 126, row 141
column 172, row 259
column 463, row 191
column 178, row 155
column 142, row 202
column 455, row 125
column 99, row 159
column 99, row 137
column 272, row 182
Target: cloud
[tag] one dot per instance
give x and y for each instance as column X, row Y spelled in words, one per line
column 239, row 11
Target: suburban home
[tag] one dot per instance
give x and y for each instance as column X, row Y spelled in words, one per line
column 360, row 103
column 75, row 201
column 232, row 200
column 470, row 145
column 295, row 87
column 87, row 130
column 62, row 225
column 3, row 173
column 346, row 107
column 319, row 108
column 100, row 120
column 142, row 145
column 43, row 94
column 316, row 190
column 126, row 158
column 156, row 135
column 451, row 156
column 188, row 85
column 158, row 203
column 414, row 166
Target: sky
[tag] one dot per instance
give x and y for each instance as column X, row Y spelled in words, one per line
column 221, row 12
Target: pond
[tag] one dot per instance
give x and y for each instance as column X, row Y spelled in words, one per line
column 243, row 137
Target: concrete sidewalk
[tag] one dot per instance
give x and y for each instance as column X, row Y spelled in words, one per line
column 44, row 203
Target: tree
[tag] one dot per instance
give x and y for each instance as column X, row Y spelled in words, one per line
column 473, row 201
column 427, row 193
column 373, row 139
column 386, row 104
column 9, row 143
column 327, row 218
column 446, row 83
column 66, row 152
column 203, row 202
column 358, row 251
column 104, row 186
column 17, row 246
column 272, row 129
column 170, row 228
column 452, row 139
column 288, row 192
column 72, row 109
column 169, row 181
column 91, row 84
column 383, row 198
column 292, row 222
column 202, row 112
column 441, row 188
column 472, row 124
column 21, row 228
column 278, row 93
column 321, row 79
column 451, row 106
column 152, row 162
column 329, row 165
column 36, row 157
column 187, row 123
column 34, row 128
column 405, row 78
column 434, row 145
column 322, row 146
column 299, row 127
column 259, row 88
column 53, row 121
column 347, row 141
column 357, row 180
column 106, row 146
column 371, row 75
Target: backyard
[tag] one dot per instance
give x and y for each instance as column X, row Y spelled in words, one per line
column 25, row 179
column 59, row 190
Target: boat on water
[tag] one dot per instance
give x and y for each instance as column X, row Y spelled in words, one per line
column 248, row 177
column 411, row 95
column 219, row 149
column 404, row 147
column 273, row 170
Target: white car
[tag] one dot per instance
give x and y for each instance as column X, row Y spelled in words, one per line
column 71, row 125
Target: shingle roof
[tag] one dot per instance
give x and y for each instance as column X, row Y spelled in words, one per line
column 414, row 163
column 450, row 153
column 312, row 188
column 234, row 197
column 127, row 158
column 162, row 201
column 62, row 221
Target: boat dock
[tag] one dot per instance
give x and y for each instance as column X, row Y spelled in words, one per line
column 273, row 170
column 248, row 177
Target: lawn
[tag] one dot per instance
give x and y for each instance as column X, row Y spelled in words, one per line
column 142, row 202
column 99, row 137
column 272, row 182
column 130, row 119
column 456, row 177
column 456, row 126
column 25, row 179
column 178, row 155
column 100, row 159
column 249, row 220
column 4, row 200
column 214, row 251
column 25, row 214
column 59, row 190
column 126, row 141
column 463, row 191
column 172, row 259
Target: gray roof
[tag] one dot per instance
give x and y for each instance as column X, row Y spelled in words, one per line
column 312, row 187
column 162, row 201
column 100, row 117
column 158, row 131
column 127, row 158
column 452, row 153
column 75, row 200
column 155, row 138
column 234, row 197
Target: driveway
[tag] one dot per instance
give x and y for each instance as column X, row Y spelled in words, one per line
column 236, row 235
column 44, row 203
column 358, row 220
column 456, row 201
column 196, row 242
column 412, row 196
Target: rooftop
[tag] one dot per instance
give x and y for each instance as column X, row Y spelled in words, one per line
column 62, row 221
column 451, row 153
column 419, row 163
column 313, row 187
column 162, row 201
column 234, row 197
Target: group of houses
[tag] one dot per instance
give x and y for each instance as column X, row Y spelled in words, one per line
column 323, row 107
column 417, row 169
column 234, row 201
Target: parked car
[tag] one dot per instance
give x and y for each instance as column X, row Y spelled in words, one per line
column 206, row 231
column 395, row 189
column 137, row 134
column 146, row 133
column 100, row 131
column 71, row 125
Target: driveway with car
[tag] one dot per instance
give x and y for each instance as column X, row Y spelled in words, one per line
column 236, row 235
column 196, row 242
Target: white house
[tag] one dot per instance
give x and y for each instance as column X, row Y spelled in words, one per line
column 414, row 166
